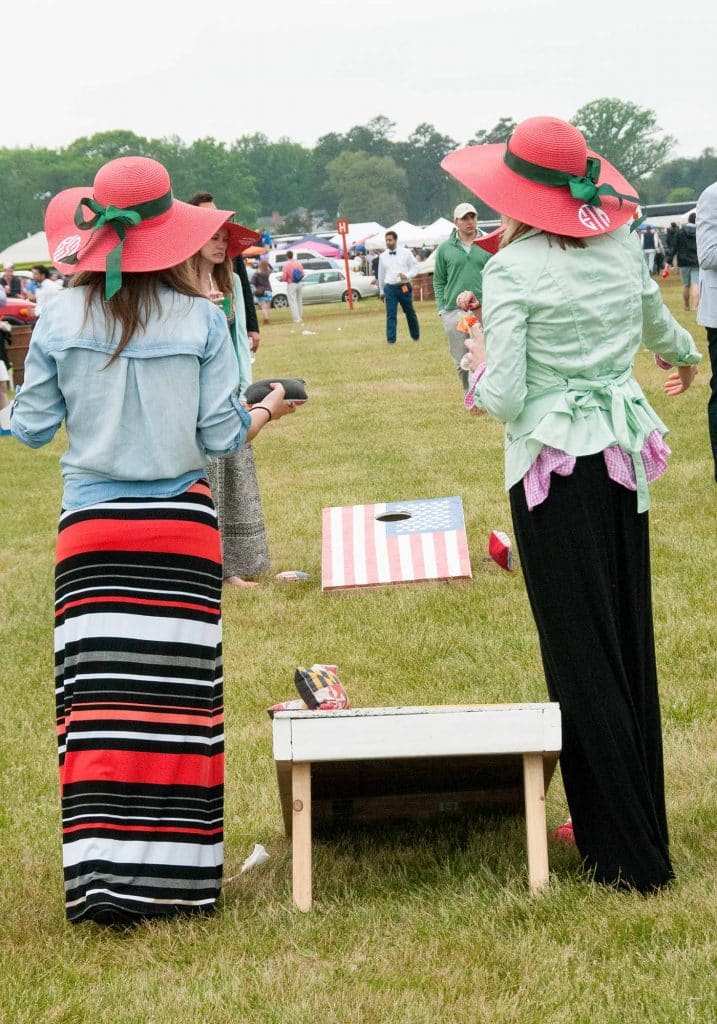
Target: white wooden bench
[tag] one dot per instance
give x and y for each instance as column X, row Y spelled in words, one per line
column 378, row 764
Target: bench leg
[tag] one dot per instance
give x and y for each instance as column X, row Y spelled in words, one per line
column 301, row 834
column 535, row 824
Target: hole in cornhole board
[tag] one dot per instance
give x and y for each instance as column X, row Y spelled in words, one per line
column 393, row 517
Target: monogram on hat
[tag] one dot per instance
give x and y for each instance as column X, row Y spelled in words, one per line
column 546, row 177
column 128, row 222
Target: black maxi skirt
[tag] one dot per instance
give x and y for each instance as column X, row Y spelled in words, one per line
column 586, row 561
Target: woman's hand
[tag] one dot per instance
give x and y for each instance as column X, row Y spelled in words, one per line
column 467, row 301
column 475, row 346
column 679, row 381
column 277, row 402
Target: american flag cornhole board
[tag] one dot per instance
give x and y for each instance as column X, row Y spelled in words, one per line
column 394, row 542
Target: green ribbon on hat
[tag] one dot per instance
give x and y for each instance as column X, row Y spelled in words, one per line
column 585, row 188
column 119, row 219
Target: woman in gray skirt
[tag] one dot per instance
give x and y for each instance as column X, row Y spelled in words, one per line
column 233, row 479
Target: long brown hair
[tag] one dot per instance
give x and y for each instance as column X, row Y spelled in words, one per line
column 222, row 274
column 515, row 229
column 132, row 306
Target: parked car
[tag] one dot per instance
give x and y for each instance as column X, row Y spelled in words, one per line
column 315, row 263
column 18, row 311
column 325, row 286
column 276, row 258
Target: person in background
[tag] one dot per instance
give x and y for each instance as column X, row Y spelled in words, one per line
column 11, row 283
column 706, row 234
column 684, row 250
column 395, row 269
column 562, row 328
column 46, row 289
column 261, row 283
column 5, row 334
column 140, row 367
column 233, row 480
column 292, row 274
column 651, row 245
column 670, row 236
column 459, row 267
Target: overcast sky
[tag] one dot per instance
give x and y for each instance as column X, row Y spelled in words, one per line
column 301, row 68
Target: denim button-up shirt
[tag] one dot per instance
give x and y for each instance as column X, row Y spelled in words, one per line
column 562, row 328
column 144, row 425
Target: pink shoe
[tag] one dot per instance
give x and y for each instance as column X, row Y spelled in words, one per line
column 564, row 833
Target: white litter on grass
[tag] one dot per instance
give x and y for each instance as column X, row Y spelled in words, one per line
column 308, row 332
column 258, row 855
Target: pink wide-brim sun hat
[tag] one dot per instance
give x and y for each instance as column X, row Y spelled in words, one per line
column 240, row 238
column 160, row 241
column 543, row 144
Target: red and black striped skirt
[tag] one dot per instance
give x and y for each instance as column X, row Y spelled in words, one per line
column 139, row 706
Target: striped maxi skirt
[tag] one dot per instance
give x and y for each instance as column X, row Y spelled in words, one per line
column 139, row 707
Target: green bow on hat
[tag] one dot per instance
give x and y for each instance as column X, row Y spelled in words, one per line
column 119, row 219
column 585, row 188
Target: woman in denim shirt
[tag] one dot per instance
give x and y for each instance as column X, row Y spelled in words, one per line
column 567, row 301
column 141, row 369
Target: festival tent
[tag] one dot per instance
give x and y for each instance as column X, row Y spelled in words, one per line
column 27, row 251
column 408, row 234
column 438, row 231
column 319, row 245
column 358, row 233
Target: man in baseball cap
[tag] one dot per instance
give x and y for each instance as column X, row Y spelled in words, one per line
column 459, row 267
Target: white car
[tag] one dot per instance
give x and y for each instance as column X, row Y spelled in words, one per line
column 277, row 257
column 324, row 286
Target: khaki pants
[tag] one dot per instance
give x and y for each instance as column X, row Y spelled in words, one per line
column 296, row 305
column 456, row 342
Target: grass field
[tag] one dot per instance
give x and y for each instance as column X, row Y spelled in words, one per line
column 412, row 926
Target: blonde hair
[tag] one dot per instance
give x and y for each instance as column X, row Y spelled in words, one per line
column 515, row 229
column 132, row 306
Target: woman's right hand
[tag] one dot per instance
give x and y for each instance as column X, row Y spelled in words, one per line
column 276, row 401
column 679, row 381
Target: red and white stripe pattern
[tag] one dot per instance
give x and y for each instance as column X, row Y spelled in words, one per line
column 140, row 716
column 360, row 549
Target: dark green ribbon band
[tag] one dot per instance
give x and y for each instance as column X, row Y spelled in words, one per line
column 119, row 219
column 585, row 188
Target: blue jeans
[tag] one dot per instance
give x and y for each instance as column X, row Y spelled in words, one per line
column 395, row 295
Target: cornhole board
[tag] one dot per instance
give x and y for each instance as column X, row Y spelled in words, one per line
column 414, row 763
column 394, row 542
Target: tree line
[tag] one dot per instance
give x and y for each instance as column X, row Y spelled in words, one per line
column 361, row 174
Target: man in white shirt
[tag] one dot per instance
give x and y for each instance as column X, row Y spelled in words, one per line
column 46, row 289
column 395, row 269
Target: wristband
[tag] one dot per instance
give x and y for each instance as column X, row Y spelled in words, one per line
column 265, row 410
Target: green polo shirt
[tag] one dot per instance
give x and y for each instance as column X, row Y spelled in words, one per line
column 457, row 271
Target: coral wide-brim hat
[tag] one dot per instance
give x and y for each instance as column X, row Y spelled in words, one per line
column 129, row 222
column 240, row 238
column 545, row 176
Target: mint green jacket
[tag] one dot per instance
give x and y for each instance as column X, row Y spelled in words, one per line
column 562, row 328
column 457, row 271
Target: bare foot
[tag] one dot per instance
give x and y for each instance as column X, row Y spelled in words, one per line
column 237, row 581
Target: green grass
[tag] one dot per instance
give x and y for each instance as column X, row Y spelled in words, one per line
column 430, row 925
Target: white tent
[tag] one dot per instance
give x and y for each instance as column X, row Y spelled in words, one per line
column 438, row 231
column 408, row 234
column 357, row 233
column 32, row 249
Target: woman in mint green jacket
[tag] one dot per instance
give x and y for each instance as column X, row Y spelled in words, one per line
column 567, row 302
